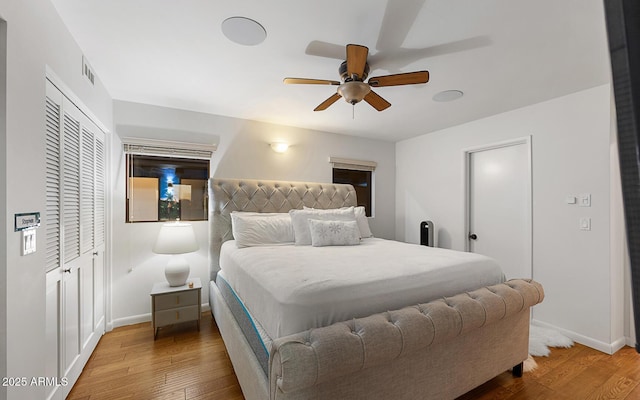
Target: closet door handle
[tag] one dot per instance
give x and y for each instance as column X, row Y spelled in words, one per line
column 67, row 270
column 473, row 236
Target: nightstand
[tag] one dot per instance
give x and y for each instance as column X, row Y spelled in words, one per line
column 173, row 305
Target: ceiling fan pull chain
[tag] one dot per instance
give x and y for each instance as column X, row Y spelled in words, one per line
column 353, row 111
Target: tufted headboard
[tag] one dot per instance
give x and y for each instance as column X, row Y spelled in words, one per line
column 227, row 195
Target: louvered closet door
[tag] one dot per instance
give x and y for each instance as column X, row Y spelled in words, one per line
column 71, row 136
column 100, row 215
column 87, row 224
column 75, row 243
column 53, row 354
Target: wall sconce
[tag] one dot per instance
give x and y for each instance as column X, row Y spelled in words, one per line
column 279, row 147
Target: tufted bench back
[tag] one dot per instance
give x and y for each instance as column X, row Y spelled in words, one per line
column 302, row 360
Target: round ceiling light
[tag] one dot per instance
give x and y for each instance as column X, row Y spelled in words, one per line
column 448, row 95
column 243, row 31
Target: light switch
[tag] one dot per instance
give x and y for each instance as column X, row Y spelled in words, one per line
column 570, row 200
column 28, row 241
column 584, row 200
column 585, row 224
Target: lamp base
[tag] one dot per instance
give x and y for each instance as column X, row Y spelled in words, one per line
column 177, row 271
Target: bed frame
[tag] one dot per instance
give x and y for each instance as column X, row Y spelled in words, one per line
column 437, row 350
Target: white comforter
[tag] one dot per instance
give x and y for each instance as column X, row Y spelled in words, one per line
column 289, row 289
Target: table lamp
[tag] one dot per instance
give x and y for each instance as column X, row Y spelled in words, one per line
column 176, row 238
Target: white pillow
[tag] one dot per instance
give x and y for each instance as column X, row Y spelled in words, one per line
column 361, row 218
column 259, row 229
column 300, row 218
column 363, row 222
column 334, row 233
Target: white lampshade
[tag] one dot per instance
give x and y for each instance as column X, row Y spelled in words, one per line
column 176, row 238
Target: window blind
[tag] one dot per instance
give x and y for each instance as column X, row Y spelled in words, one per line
column 358, row 165
column 166, row 148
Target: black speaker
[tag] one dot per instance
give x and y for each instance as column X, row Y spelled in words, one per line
column 426, row 233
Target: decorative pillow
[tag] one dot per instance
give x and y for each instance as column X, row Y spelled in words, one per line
column 334, row 233
column 300, row 218
column 259, row 229
column 361, row 218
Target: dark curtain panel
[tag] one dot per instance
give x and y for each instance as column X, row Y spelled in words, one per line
column 623, row 29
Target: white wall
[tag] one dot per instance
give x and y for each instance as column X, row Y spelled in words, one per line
column 3, row 202
column 571, row 155
column 243, row 152
column 36, row 38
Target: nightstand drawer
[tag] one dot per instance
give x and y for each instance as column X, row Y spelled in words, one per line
column 174, row 300
column 182, row 314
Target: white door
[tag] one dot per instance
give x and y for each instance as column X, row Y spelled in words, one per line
column 499, row 205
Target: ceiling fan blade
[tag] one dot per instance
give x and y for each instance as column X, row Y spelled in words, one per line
column 305, row 81
column 395, row 59
column 408, row 78
column 398, row 20
column 376, row 101
column 325, row 104
column 325, row 49
column 356, row 59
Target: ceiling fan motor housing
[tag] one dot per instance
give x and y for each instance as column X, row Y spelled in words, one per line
column 344, row 75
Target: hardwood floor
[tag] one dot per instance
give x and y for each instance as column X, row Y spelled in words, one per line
column 181, row 364
column 186, row 364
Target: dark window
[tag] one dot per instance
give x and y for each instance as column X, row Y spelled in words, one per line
column 361, row 181
column 166, row 188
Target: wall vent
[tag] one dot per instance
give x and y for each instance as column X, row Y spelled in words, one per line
column 87, row 70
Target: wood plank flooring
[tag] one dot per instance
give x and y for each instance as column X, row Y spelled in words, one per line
column 181, row 364
column 186, row 364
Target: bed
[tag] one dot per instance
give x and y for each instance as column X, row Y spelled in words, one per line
column 297, row 326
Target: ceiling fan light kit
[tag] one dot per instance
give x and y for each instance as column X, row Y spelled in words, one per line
column 353, row 91
column 353, row 71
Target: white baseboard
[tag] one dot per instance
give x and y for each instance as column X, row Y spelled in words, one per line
column 631, row 342
column 604, row 347
column 137, row 319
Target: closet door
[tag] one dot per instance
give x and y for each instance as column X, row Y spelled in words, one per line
column 87, row 224
column 71, row 117
column 53, row 355
column 75, row 243
column 100, row 217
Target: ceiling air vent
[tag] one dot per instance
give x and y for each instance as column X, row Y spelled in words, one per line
column 87, row 70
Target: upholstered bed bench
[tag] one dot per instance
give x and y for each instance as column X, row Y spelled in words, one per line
column 437, row 350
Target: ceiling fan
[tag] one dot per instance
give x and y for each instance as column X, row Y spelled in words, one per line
column 353, row 88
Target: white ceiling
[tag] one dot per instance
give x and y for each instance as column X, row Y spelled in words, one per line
column 503, row 54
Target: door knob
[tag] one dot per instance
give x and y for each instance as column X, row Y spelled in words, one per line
column 473, row 236
column 67, row 270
